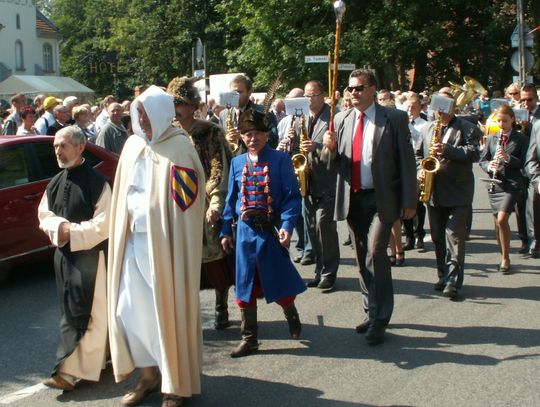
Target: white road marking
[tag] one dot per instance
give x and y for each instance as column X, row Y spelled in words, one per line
column 21, row 394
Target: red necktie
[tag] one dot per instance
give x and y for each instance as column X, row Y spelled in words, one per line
column 356, row 180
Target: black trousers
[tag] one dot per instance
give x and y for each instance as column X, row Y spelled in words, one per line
column 448, row 232
column 370, row 240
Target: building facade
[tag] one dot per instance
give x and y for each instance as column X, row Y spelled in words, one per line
column 29, row 41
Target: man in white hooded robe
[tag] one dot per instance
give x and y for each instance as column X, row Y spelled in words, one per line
column 155, row 251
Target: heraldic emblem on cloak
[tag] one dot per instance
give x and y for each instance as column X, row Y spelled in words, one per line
column 184, row 186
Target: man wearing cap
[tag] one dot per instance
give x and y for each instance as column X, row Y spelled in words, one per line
column 74, row 213
column 61, row 117
column 264, row 200
column 113, row 135
column 47, row 118
column 450, row 203
column 217, row 271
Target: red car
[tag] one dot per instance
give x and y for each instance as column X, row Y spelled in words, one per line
column 27, row 164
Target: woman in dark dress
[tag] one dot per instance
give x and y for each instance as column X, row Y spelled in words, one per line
column 503, row 159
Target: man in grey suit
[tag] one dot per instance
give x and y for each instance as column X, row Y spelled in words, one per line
column 453, row 191
column 529, row 206
column 376, row 184
column 532, row 165
column 319, row 204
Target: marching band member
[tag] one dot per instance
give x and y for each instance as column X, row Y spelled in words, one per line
column 453, row 191
column 503, row 158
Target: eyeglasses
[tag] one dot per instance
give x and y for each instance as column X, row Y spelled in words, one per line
column 513, row 93
column 527, row 100
column 313, row 96
column 357, row 88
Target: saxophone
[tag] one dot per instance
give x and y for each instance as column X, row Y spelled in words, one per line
column 430, row 165
column 230, row 127
column 300, row 161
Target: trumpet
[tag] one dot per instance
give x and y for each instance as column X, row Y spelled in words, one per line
column 290, row 141
column 230, row 129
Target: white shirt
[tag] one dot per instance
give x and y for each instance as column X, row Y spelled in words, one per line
column 101, row 120
column 414, row 127
column 367, row 145
column 43, row 123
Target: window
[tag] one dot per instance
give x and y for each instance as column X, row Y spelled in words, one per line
column 18, row 22
column 13, row 169
column 47, row 161
column 19, row 56
column 47, row 58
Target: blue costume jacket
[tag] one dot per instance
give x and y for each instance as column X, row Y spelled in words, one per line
column 269, row 185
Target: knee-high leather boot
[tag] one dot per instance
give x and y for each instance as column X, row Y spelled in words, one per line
column 222, row 310
column 293, row 319
column 248, row 329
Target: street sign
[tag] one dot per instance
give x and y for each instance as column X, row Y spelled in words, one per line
column 529, row 60
column 528, row 79
column 316, row 59
column 198, row 73
column 345, row 67
column 528, row 39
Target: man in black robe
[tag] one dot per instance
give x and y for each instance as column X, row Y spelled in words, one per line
column 74, row 214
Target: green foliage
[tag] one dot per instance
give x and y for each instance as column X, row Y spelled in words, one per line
column 442, row 40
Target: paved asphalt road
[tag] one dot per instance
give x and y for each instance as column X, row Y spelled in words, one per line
column 481, row 350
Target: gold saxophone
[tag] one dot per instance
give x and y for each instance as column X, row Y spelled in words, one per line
column 300, row 161
column 430, row 165
column 230, row 127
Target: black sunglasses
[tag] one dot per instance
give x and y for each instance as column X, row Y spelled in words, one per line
column 527, row 99
column 358, row 88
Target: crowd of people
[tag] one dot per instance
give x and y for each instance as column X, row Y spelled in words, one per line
column 207, row 197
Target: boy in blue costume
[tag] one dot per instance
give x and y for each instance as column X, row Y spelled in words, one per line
column 264, row 201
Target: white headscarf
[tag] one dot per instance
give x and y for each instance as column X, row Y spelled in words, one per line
column 159, row 107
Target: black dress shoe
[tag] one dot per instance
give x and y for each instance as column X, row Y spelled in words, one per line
column 524, row 249
column 313, row 283
column 297, row 259
column 450, row 291
column 306, row 261
column 363, row 327
column 326, row 283
column 347, row 242
column 409, row 244
column 420, row 244
column 375, row 333
column 439, row 285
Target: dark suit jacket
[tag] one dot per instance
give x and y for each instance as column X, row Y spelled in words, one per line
column 510, row 172
column 454, row 182
column 393, row 168
column 51, row 131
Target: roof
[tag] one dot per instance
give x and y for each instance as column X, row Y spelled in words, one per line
column 45, row 27
column 30, row 85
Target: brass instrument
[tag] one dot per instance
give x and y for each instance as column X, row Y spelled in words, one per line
column 465, row 93
column 230, row 128
column 430, row 165
column 300, row 161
